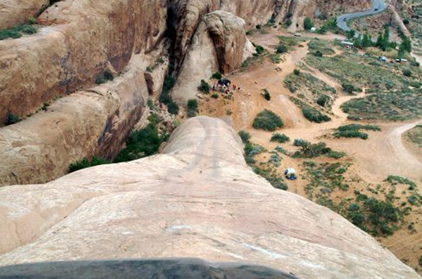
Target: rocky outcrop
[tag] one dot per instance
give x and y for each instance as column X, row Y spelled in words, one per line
column 14, row 12
column 229, row 36
column 197, row 199
column 86, row 123
column 219, row 44
column 82, row 39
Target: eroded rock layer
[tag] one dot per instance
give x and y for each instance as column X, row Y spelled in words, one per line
column 197, row 199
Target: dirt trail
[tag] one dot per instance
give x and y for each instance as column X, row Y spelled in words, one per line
column 383, row 154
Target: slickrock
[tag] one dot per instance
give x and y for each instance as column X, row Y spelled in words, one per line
column 196, row 199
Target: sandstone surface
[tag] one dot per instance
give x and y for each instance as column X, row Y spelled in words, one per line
column 14, row 12
column 197, row 199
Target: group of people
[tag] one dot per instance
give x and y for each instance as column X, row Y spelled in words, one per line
column 224, row 86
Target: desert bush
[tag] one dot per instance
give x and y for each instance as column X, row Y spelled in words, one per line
column 12, row 119
column 260, row 49
column 314, row 115
column 282, row 49
column 267, row 95
column 193, row 108
column 141, row 144
column 296, row 72
column 351, row 134
column 16, row 32
column 217, row 76
column 353, row 131
column 215, row 96
column 308, row 24
column 245, row 136
column 407, row 72
column 310, row 150
column 204, row 87
column 280, row 138
column 323, row 100
column 268, row 121
column 173, row 108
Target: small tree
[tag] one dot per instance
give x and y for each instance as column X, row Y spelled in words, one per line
column 173, row 108
column 366, row 41
column 308, row 24
column 296, row 72
column 351, row 34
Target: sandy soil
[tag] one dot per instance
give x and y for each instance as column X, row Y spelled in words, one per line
column 384, row 153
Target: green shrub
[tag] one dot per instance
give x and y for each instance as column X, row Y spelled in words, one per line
column 204, row 87
column 348, row 88
column 245, row 136
column 309, row 150
column 193, row 108
column 215, row 96
column 100, row 79
column 296, row 72
column 268, row 121
column 314, row 115
column 351, row 134
column 169, row 83
column 12, row 119
column 299, row 142
column 173, row 108
column 407, row 72
column 281, row 138
column 336, row 154
column 85, row 163
column 318, row 53
column 108, row 75
column 217, row 76
column 140, row 144
column 259, row 27
column 267, row 95
column 353, row 131
column 32, row 20
column 308, row 24
column 16, row 32
column 323, row 100
column 260, row 49
column 282, row 49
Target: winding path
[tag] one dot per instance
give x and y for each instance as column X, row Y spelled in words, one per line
column 378, row 6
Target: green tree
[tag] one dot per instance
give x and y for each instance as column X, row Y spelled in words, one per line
column 358, row 42
column 379, row 41
column 366, row 41
column 308, row 24
column 406, row 44
column 351, row 34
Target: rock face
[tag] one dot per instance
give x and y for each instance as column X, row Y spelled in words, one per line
column 82, row 39
column 197, row 199
column 229, row 37
column 219, row 44
column 14, row 12
column 86, row 123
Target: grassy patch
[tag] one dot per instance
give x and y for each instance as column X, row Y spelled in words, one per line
column 386, row 106
column 415, row 135
column 321, row 46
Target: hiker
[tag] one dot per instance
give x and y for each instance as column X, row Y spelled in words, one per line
column 234, row 87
